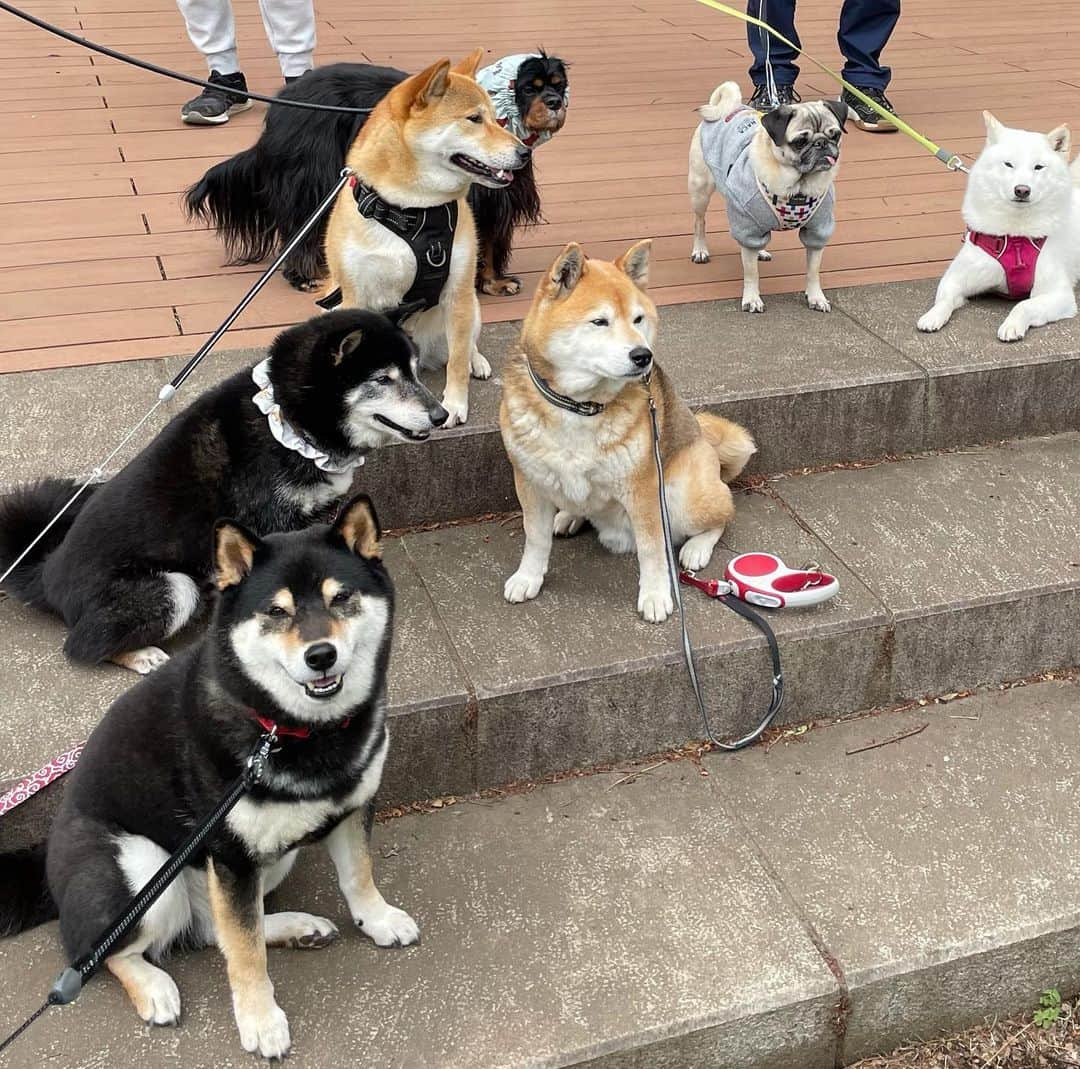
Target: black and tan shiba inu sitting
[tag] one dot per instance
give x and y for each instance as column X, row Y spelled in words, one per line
column 274, row 446
column 300, row 638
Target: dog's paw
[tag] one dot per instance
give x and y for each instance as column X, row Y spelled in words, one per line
column 567, row 524
column 158, row 998
column 697, row 551
column 522, row 587
column 388, row 926
column 700, row 256
column 143, row 661
column 301, row 931
column 1012, row 330
column 818, row 302
column 753, row 304
column 764, row 256
column 457, row 408
column 265, row 1033
column 933, row 320
column 479, row 367
column 655, row 605
column 509, row 286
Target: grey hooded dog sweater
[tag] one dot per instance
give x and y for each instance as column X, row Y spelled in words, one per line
column 753, row 213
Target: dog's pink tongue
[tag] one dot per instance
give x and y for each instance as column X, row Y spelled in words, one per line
column 832, row 160
column 504, row 176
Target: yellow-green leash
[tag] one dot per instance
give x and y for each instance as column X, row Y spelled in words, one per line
column 951, row 160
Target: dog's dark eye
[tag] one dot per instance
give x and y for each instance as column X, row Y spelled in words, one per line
column 383, row 380
column 475, row 118
column 800, row 141
column 341, row 597
column 1009, row 165
column 277, row 612
column 1039, row 166
column 599, row 322
column 639, row 318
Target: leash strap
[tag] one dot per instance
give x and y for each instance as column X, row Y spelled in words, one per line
column 950, row 159
column 29, row 785
column 732, row 603
column 69, row 983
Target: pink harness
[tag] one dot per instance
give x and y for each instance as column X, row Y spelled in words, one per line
column 1017, row 256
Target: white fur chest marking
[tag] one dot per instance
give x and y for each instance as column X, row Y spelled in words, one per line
column 579, row 465
column 269, row 829
column 311, row 499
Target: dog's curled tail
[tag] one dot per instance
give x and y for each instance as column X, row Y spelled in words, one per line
column 725, row 98
column 26, row 901
column 733, row 444
column 23, row 515
column 230, row 198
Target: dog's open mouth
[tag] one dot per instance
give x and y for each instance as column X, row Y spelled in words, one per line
column 409, row 436
column 501, row 177
column 326, row 687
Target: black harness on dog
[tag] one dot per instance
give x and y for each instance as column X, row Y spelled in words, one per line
column 429, row 233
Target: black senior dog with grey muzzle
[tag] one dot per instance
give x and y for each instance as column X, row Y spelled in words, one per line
column 776, row 172
column 274, row 446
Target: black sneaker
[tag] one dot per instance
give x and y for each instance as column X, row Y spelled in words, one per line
column 212, row 106
column 763, row 101
column 290, row 78
column 864, row 116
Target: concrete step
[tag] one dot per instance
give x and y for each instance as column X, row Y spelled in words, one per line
column 956, row 569
column 857, row 384
column 792, row 907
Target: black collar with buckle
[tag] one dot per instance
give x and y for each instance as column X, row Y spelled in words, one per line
column 560, row 400
column 429, row 232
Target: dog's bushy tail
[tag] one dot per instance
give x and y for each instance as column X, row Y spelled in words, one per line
column 725, row 98
column 23, row 514
column 733, row 444
column 26, row 901
column 230, row 197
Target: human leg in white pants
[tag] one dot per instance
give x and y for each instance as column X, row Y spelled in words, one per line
column 212, row 30
column 290, row 29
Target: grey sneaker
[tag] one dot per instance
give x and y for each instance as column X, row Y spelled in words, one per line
column 213, row 106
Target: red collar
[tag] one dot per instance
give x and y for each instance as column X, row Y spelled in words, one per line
column 1017, row 256
column 290, row 733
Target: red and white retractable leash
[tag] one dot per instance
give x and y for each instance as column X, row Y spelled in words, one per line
column 750, row 579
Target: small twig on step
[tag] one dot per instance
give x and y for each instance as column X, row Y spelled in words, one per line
column 634, row 775
column 894, row 738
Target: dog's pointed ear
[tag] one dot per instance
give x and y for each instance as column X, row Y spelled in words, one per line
column 1060, row 139
column 775, row 123
column 358, row 527
column 234, row 553
column 430, row 85
column 634, row 263
column 470, row 64
column 349, row 344
column 567, row 269
column 993, row 128
column 398, row 315
column 839, row 109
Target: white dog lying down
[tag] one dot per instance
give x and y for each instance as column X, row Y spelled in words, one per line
column 1022, row 210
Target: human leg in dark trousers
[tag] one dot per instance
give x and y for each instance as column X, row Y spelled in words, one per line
column 865, row 29
column 767, row 50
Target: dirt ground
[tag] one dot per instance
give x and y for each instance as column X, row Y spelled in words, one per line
column 1019, row 1043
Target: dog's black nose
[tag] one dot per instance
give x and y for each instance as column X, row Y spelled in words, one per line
column 321, row 656
column 523, row 153
column 438, row 415
column 1022, row 192
column 641, row 356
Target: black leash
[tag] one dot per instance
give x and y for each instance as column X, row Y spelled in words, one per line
column 153, row 68
column 69, row 983
column 731, row 602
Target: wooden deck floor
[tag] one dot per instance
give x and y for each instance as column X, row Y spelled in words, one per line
column 98, row 264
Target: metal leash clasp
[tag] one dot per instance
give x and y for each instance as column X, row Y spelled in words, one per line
column 255, row 765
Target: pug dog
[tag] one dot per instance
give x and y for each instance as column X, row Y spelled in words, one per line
column 776, row 172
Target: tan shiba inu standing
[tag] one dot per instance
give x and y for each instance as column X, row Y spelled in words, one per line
column 425, row 143
column 576, row 425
